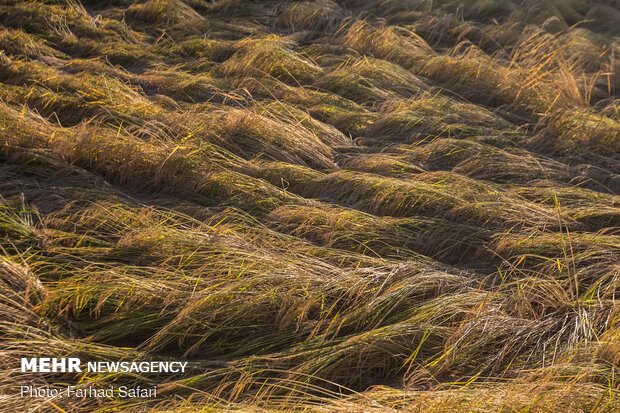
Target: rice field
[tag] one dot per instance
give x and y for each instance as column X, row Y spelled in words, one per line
column 330, row 205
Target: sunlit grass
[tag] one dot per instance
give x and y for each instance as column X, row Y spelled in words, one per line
column 371, row 206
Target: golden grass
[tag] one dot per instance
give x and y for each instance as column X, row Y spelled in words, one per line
column 350, row 206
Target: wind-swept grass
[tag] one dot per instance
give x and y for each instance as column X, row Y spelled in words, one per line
column 346, row 206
